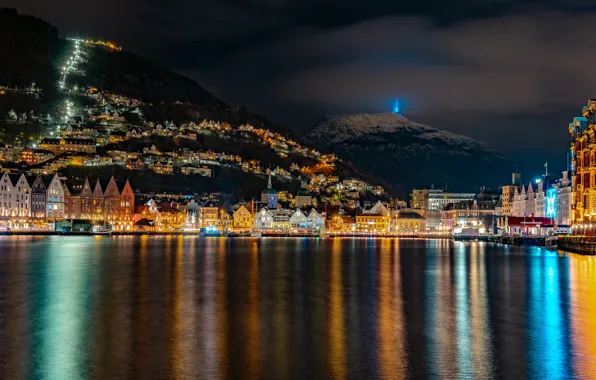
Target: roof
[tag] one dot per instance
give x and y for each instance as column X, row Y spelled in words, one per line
column 409, row 215
column 269, row 190
column 529, row 221
column 303, row 193
column 144, row 222
column 139, row 209
column 75, row 186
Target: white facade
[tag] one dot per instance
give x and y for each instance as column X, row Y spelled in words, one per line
column 298, row 219
column 22, row 194
column 6, row 196
column 564, row 200
column 529, row 202
column 264, row 220
column 55, row 199
column 315, row 220
column 437, row 199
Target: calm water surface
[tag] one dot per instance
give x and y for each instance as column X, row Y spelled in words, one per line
column 208, row 308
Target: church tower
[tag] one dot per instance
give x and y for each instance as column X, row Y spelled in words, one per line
column 269, row 195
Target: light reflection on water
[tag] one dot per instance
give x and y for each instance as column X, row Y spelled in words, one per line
column 185, row 307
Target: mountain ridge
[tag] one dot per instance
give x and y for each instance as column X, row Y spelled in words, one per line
column 423, row 155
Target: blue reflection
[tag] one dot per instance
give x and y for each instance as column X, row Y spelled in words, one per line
column 545, row 325
column 464, row 357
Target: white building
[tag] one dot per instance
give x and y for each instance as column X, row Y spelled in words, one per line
column 298, row 219
column 55, row 199
column 438, row 199
column 315, row 220
column 263, row 220
column 6, row 196
column 564, row 193
column 22, row 196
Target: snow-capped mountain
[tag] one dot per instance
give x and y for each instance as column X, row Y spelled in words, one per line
column 407, row 154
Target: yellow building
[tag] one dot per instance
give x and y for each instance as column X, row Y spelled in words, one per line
column 372, row 223
column 407, row 223
column 209, row 216
column 243, row 218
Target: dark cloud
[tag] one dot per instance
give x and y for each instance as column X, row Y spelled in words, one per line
column 506, row 71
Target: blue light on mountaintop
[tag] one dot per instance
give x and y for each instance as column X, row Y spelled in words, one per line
column 396, row 106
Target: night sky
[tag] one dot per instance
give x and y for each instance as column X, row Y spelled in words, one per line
column 511, row 73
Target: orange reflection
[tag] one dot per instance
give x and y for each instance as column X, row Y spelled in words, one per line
column 582, row 289
column 337, row 336
column 392, row 355
column 221, row 310
column 177, row 353
column 142, row 321
column 253, row 321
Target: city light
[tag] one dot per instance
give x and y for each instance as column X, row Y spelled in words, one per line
column 551, row 199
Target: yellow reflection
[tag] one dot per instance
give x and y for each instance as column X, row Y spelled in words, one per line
column 337, row 336
column 582, row 288
column 221, row 310
column 253, row 321
column 177, row 352
column 392, row 355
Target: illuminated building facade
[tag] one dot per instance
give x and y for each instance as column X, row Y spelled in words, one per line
column 583, row 161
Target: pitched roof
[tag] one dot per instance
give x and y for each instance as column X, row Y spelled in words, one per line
column 409, row 215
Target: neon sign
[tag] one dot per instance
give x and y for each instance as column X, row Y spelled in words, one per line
column 551, row 203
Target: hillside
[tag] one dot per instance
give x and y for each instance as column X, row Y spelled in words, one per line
column 33, row 51
column 53, row 88
column 409, row 154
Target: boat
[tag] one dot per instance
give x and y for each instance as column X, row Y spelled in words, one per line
column 551, row 242
column 104, row 228
column 101, row 230
column 255, row 234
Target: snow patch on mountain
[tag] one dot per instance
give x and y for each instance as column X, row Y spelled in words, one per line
column 361, row 127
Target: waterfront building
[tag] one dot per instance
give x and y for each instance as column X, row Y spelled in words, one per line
column 315, row 221
column 126, row 211
column 298, row 219
column 281, row 219
column 470, row 213
column 86, row 201
column 264, row 220
column 438, row 199
column 526, row 226
column 371, row 223
column 6, row 191
column 529, row 202
column 208, row 216
column 192, row 214
column 22, row 200
column 38, row 198
column 407, row 222
column 97, row 202
column 72, row 198
column 583, row 166
column 269, row 195
column 55, row 199
column 111, row 202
